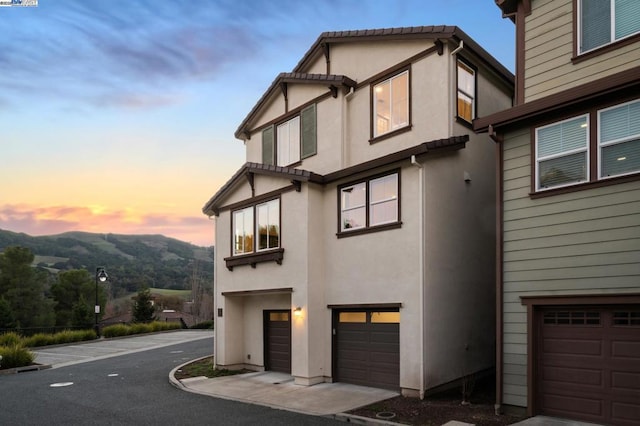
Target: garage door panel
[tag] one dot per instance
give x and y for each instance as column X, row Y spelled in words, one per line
column 626, row 349
column 627, row 413
column 625, row 381
column 569, row 403
column 578, row 376
column 573, row 347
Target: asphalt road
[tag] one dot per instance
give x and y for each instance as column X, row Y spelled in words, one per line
column 131, row 389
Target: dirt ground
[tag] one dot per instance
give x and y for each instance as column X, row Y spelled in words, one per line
column 439, row 409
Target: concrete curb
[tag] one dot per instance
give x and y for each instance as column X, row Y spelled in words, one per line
column 25, row 369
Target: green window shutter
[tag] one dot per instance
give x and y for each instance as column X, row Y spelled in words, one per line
column 308, row 131
column 268, row 150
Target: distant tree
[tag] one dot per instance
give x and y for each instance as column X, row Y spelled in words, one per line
column 82, row 315
column 23, row 288
column 6, row 315
column 72, row 287
column 143, row 309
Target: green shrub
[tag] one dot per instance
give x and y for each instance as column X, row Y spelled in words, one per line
column 69, row 336
column 11, row 338
column 14, row 356
column 115, row 330
column 38, row 339
column 204, row 325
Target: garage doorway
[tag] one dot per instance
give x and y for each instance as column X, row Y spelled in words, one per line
column 277, row 340
column 366, row 347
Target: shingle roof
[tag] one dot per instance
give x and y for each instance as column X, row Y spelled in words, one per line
column 439, row 145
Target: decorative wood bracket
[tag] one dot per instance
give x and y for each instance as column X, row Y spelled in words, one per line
column 297, row 185
column 440, row 46
column 334, row 91
column 251, row 183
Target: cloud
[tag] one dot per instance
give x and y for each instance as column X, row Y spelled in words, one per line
column 51, row 220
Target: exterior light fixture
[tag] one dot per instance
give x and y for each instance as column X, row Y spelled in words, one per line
column 297, row 311
column 101, row 276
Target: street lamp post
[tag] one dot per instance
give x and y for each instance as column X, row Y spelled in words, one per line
column 101, row 276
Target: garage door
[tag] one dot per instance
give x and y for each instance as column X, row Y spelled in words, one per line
column 588, row 364
column 367, row 348
column 277, row 335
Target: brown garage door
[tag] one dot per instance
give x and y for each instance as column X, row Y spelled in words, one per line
column 277, row 338
column 367, row 348
column 588, row 364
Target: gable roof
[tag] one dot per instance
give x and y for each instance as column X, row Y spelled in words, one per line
column 329, row 80
column 318, row 48
column 437, row 146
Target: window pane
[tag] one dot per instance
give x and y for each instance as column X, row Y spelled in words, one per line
column 283, row 144
column 268, row 225
column 466, row 80
column 627, row 14
column 352, row 317
column 294, row 140
column 278, row 316
column 562, row 137
column 383, row 200
column 353, row 196
column 391, row 104
column 288, row 142
column 243, row 231
column 385, row 317
column 621, row 158
column 563, row 170
column 596, row 24
column 620, row 122
column 465, row 107
column 400, row 99
column 353, row 219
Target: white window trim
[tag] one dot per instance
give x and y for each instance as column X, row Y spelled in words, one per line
column 614, row 142
column 563, row 154
column 257, row 229
column 234, row 236
column 382, row 201
column 375, row 105
column 292, row 148
column 612, row 29
column 254, row 227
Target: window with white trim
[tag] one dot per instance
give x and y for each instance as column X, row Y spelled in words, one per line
column 562, row 153
column 391, row 104
column 619, row 139
column 292, row 140
column 266, row 226
column 370, row 203
column 602, row 22
column 288, row 142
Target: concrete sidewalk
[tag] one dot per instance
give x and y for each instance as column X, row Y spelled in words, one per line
column 277, row 390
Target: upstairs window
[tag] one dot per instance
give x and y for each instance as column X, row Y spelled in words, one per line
column 292, row 140
column 391, row 104
column 602, row 22
column 619, row 139
column 266, row 226
column 370, row 203
column 562, row 153
column 466, row 106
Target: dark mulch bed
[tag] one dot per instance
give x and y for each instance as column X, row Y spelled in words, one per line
column 446, row 406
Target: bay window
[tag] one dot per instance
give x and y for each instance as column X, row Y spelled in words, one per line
column 602, row 22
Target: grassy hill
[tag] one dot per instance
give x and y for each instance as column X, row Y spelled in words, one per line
column 132, row 261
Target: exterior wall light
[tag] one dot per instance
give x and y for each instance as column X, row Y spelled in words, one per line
column 297, row 312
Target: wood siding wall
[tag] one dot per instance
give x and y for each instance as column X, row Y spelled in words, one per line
column 549, row 50
column 577, row 243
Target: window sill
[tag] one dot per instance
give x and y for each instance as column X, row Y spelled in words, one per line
column 361, row 231
column 390, row 134
column 254, row 258
column 464, row 122
column 604, row 49
column 584, row 186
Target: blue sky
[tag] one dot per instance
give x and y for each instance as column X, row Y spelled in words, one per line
column 119, row 116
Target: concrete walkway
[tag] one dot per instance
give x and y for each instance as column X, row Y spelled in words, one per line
column 551, row 421
column 277, row 390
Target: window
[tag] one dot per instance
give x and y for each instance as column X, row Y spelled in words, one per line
column 295, row 139
column 371, row 203
column 604, row 21
column 466, row 92
column 595, row 146
column 391, row 104
column 619, row 139
column 266, row 226
column 562, row 153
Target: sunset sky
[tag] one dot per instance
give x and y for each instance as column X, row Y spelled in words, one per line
column 118, row 116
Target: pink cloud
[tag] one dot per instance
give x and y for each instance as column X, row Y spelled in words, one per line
column 53, row 220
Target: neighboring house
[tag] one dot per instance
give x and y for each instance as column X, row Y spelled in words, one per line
column 569, row 202
column 357, row 242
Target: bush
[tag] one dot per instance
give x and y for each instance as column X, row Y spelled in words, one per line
column 66, row 336
column 115, row 330
column 14, row 356
column 38, row 339
column 204, row 325
column 118, row 330
column 11, row 338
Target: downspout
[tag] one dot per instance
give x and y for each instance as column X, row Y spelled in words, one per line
column 345, row 129
column 421, row 251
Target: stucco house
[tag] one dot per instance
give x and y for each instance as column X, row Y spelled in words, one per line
column 568, row 305
column 356, row 244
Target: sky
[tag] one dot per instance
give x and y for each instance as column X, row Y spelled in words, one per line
column 119, row 117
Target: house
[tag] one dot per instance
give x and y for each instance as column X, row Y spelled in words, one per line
column 356, row 244
column 568, row 305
